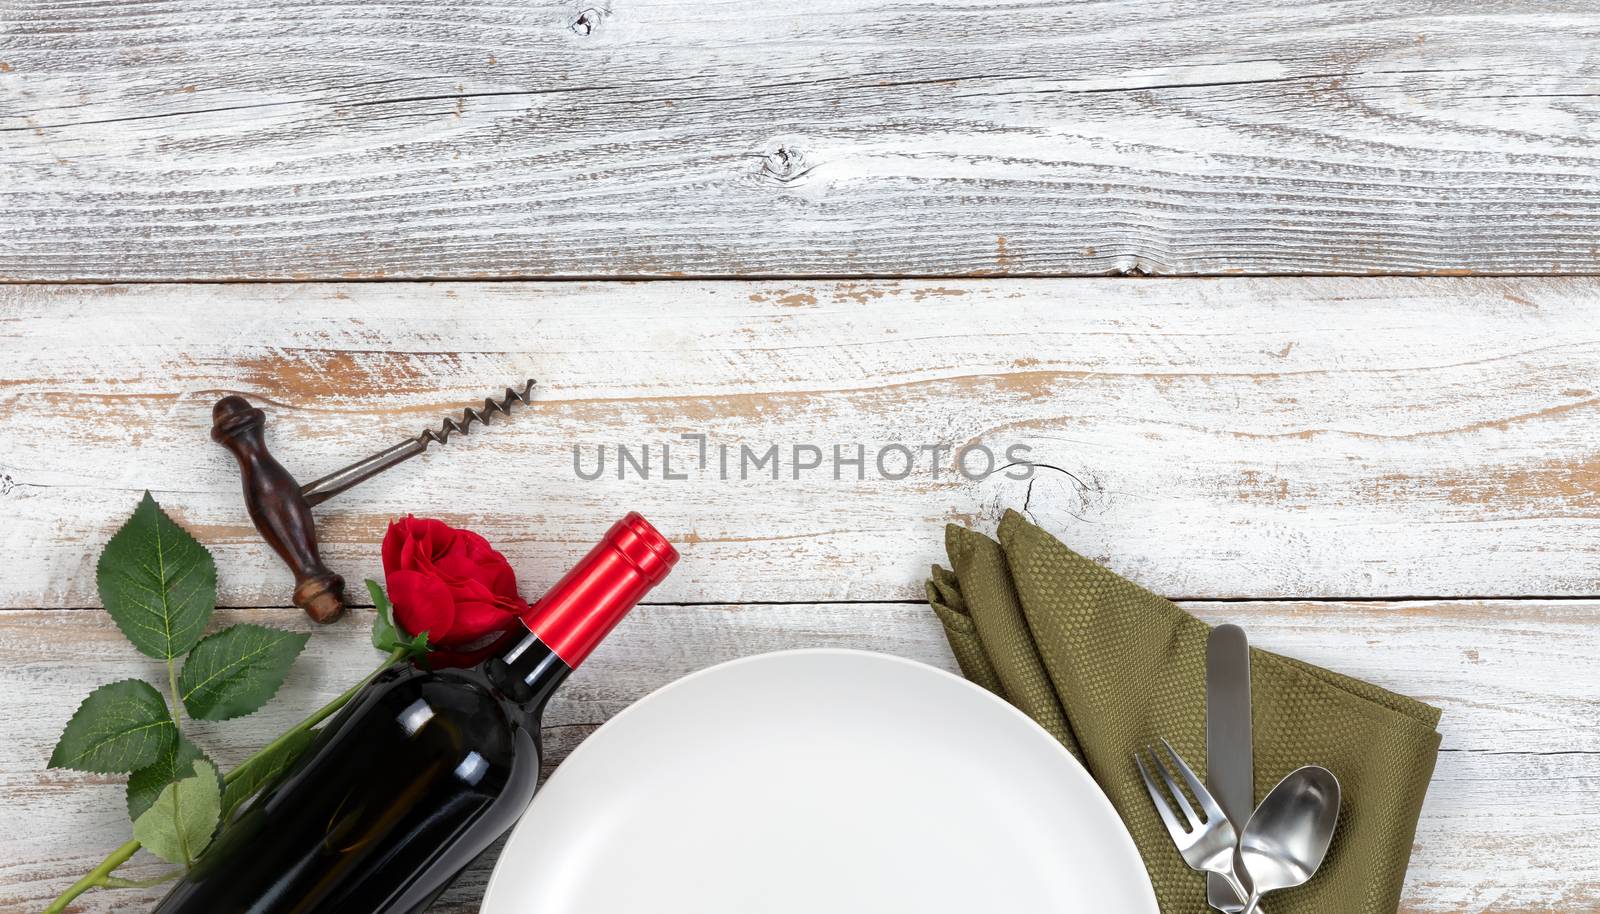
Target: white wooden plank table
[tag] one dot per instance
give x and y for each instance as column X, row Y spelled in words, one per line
column 864, row 224
column 1304, row 456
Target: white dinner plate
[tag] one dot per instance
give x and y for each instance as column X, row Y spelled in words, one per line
column 820, row 782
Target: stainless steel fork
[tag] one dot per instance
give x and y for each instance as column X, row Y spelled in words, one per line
column 1206, row 844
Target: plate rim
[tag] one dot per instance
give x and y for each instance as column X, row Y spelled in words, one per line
column 1124, row 838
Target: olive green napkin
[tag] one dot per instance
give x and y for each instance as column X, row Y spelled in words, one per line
column 1106, row 666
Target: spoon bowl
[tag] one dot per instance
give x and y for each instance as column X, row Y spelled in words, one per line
column 1288, row 834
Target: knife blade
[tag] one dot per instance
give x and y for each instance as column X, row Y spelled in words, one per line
column 1229, row 768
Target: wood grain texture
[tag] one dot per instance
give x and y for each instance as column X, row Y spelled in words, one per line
column 1508, row 824
column 229, row 139
column 1217, row 439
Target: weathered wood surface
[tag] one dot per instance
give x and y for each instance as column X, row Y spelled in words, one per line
column 235, row 139
column 1214, row 439
column 1234, row 438
column 1509, row 823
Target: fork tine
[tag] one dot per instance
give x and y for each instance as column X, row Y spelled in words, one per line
column 1174, row 827
column 1214, row 812
column 1177, row 792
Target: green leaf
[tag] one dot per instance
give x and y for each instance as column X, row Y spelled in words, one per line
column 179, row 824
column 158, row 583
column 237, row 670
column 175, row 764
column 388, row 636
column 120, row 727
column 264, row 769
column 384, row 634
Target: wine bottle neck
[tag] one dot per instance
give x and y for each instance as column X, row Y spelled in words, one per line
column 592, row 598
column 528, row 673
column 567, row 622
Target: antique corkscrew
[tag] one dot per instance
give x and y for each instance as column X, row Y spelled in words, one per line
column 281, row 508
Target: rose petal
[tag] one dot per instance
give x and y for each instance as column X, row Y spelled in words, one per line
column 474, row 620
column 427, row 537
column 516, row 606
column 418, row 556
column 438, row 536
column 504, row 582
column 417, row 549
column 394, row 539
column 493, row 569
column 473, row 544
column 468, row 591
column 458, row 566
column 421, row 604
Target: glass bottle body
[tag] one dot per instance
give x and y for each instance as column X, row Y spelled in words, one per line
column 406, row 786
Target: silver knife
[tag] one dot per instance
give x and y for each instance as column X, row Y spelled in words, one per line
column 1229, row 773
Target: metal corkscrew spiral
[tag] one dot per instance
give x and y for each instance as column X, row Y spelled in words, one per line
column 340, row 480
column 469, row 416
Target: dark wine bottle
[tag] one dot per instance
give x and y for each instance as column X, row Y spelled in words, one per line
column 421, row 771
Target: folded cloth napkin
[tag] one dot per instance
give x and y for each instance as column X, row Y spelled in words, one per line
column 1107, row 667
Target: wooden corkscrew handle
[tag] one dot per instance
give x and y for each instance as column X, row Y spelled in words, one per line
column 277, row 507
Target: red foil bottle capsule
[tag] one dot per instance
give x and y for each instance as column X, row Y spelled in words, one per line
column 583, row 607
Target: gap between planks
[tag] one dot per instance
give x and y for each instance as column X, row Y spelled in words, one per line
column 734, row 604
column 1134, row 275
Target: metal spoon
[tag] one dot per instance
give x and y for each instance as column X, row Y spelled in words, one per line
column 1288, row 834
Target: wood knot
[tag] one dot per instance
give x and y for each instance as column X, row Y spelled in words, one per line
column 1132, row 266
column 786, row 164
column 587, row 21
column 6, row 484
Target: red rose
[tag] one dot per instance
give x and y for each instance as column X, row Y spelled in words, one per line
column 451, row 584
